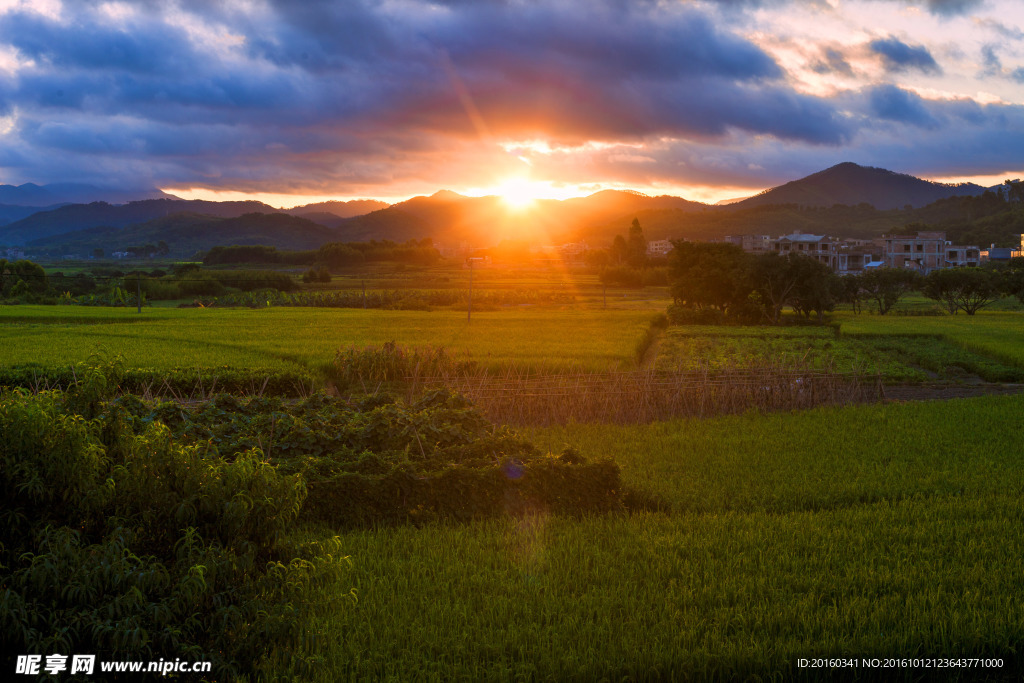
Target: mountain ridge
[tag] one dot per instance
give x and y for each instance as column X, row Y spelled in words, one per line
column 852, row 184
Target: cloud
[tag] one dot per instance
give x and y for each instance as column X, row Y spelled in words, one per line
column 946, row 8
column 951, row 7
column 342, row 97
column 992, row 66
column 891, row 103
column 832, row 61
column 1001, row 29
column 898, row 56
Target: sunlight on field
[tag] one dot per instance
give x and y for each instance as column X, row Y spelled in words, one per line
column 240, row 337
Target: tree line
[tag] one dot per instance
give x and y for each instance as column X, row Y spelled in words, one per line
column 330, row 255
column 713, row 283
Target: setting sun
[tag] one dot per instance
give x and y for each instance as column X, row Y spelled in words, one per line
column 519, row 193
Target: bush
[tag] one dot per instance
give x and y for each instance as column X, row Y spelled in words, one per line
column 119, row 540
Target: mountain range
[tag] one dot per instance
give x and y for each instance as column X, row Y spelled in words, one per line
column 857, row 201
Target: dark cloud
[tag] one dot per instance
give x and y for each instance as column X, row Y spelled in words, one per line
column 951, row 7
column 890, row 103
column 331, row 95
column 899, row 56
column 86, row 44
column 991, row 64
column 832, row 61
column 938, row 7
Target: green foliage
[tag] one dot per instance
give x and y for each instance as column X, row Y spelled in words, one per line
column 182, row 381
column 21, row 281
column 886, row 286
column 637, row 245
column 715, row 282
column 381, row 461
column 709, row 275
column 962, row 289
column 320, row 274
column 128, row 544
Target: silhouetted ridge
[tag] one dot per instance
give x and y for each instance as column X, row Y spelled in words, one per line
column 851, row 184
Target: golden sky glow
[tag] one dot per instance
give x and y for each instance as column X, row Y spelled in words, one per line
column 295, row 103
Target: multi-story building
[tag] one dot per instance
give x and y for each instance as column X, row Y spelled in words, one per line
column 819, row 247
column 927, row 251
column 659, row 247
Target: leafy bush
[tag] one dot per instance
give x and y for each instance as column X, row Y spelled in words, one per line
column 377, row 460
column 178, row 381
column 119, row 540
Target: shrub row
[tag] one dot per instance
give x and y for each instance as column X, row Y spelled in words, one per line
column 175, row 381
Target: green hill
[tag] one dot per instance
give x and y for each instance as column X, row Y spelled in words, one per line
column 187, row 233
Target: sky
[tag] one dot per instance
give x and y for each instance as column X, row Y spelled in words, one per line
column 708, row 99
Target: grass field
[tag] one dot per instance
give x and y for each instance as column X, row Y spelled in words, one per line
column 871, row 531
column 900, row 353
column 190, row 338
column 998, row 334
column 868, row 531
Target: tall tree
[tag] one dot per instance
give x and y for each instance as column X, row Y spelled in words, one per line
column 637, row 244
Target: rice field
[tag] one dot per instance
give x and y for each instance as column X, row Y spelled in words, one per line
column 997, row 334
column 866, row 531
column 869, row 531
column 276, row 337
column 901, row 348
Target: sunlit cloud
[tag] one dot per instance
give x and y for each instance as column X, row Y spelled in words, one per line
column 356, row 99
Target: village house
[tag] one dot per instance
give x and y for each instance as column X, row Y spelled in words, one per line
column 822, row 248
column 927, row 251
column 659, row 247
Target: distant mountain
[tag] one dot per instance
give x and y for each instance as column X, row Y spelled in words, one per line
column 325, row 210
column 850, row 184
column 31, row 194
column 75, row 217
column 449, row 218
column 12, row 212
column 187, row 233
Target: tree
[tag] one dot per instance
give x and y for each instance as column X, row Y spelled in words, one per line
column 963, row 289
column 817, row 288
column 850, row 292
column 710, row 275
column 886, row 286
column 97, row 253
column 1014, row 190
column 941, row 285
column 637, row 245
column 776, row 279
